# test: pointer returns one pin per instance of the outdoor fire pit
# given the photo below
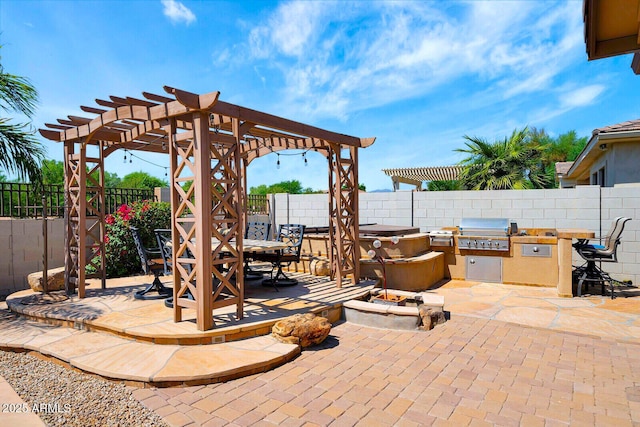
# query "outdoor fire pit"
(422, 310)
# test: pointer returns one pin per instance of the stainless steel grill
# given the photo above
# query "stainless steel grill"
(488, 234)
(441, 238)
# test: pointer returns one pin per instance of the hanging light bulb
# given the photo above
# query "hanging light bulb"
(304, 156)
(278, 162)
(165, 172)
(125, 157)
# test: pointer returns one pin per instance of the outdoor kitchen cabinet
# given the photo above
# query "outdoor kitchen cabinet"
(526, 266)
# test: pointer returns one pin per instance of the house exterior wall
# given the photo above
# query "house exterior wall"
(590, 207)
(623, 166)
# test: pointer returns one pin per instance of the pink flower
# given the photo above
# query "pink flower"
(110, 219)
(124, 212)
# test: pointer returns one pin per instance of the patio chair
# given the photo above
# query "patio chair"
(255, 231)
(163, 236)
(592, 253)
(150, 264)
(292, 234)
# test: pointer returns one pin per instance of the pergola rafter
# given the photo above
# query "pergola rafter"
(210, 143)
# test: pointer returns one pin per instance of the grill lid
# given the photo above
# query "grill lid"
(484, 226)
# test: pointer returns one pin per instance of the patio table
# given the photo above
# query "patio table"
(251, 245)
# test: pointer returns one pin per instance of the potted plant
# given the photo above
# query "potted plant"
(385, 298)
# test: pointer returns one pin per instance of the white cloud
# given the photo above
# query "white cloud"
(177, 12)
(289, 30)
(583, 96)
(338, 58)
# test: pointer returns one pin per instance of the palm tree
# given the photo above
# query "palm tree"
(20, 151)
(512, 163)
(444, 185)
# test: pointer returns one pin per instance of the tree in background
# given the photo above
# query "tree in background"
(53, 173)
(445, 185)
(20, 151)
(512, 163)
(142, 180)
(292, 187)
(565, 148)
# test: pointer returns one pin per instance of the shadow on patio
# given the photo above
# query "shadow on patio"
(115, 309)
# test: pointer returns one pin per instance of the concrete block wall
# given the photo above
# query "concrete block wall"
(23, 244)
(589, 207)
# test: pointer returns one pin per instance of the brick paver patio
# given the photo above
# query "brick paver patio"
(469, 371)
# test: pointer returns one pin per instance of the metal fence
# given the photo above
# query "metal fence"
(257, 204)
(25, 201)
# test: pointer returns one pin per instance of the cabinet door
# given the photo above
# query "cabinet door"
(484, 268)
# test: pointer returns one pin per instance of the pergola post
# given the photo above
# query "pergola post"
(343, 213)
(202, 224)
(96, 227)
(70, 222)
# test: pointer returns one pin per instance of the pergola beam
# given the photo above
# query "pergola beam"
(275, 122)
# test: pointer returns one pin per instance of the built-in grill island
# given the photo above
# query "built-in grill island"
(494, 250)
(484, 234)
(484, 242)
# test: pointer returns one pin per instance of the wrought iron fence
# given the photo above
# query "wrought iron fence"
(257, 204)
(25, 201)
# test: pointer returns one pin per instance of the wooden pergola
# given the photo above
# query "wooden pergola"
(210, 144)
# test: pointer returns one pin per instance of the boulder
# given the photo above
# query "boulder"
(55, 280)
(302, 329)
(320, 267)
(430, 317)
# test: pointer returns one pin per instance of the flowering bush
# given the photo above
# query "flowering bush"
(121, 255)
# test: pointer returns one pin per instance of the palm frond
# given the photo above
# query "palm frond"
(20, 151)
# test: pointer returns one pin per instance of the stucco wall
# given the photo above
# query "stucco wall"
(590, 207)
(22, 244)
(623, 166)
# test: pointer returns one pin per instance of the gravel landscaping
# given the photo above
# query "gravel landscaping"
(63, 397)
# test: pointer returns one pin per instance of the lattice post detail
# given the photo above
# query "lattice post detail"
(70, 219)
(343, 214)
(227, 219)
(96, 227)
(76, 178)
(183, 221)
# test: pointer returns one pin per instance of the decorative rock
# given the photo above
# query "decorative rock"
(55, 280)
(320, 267)
(430, 317)
(302, 329)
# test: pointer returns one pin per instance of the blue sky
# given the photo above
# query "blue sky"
(416, 75)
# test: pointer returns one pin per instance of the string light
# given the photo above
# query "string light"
(303, 154)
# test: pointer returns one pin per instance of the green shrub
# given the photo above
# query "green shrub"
(121, 255)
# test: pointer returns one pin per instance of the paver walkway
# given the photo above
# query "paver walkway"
(537, 306)
(468, 371)
(123, 358)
